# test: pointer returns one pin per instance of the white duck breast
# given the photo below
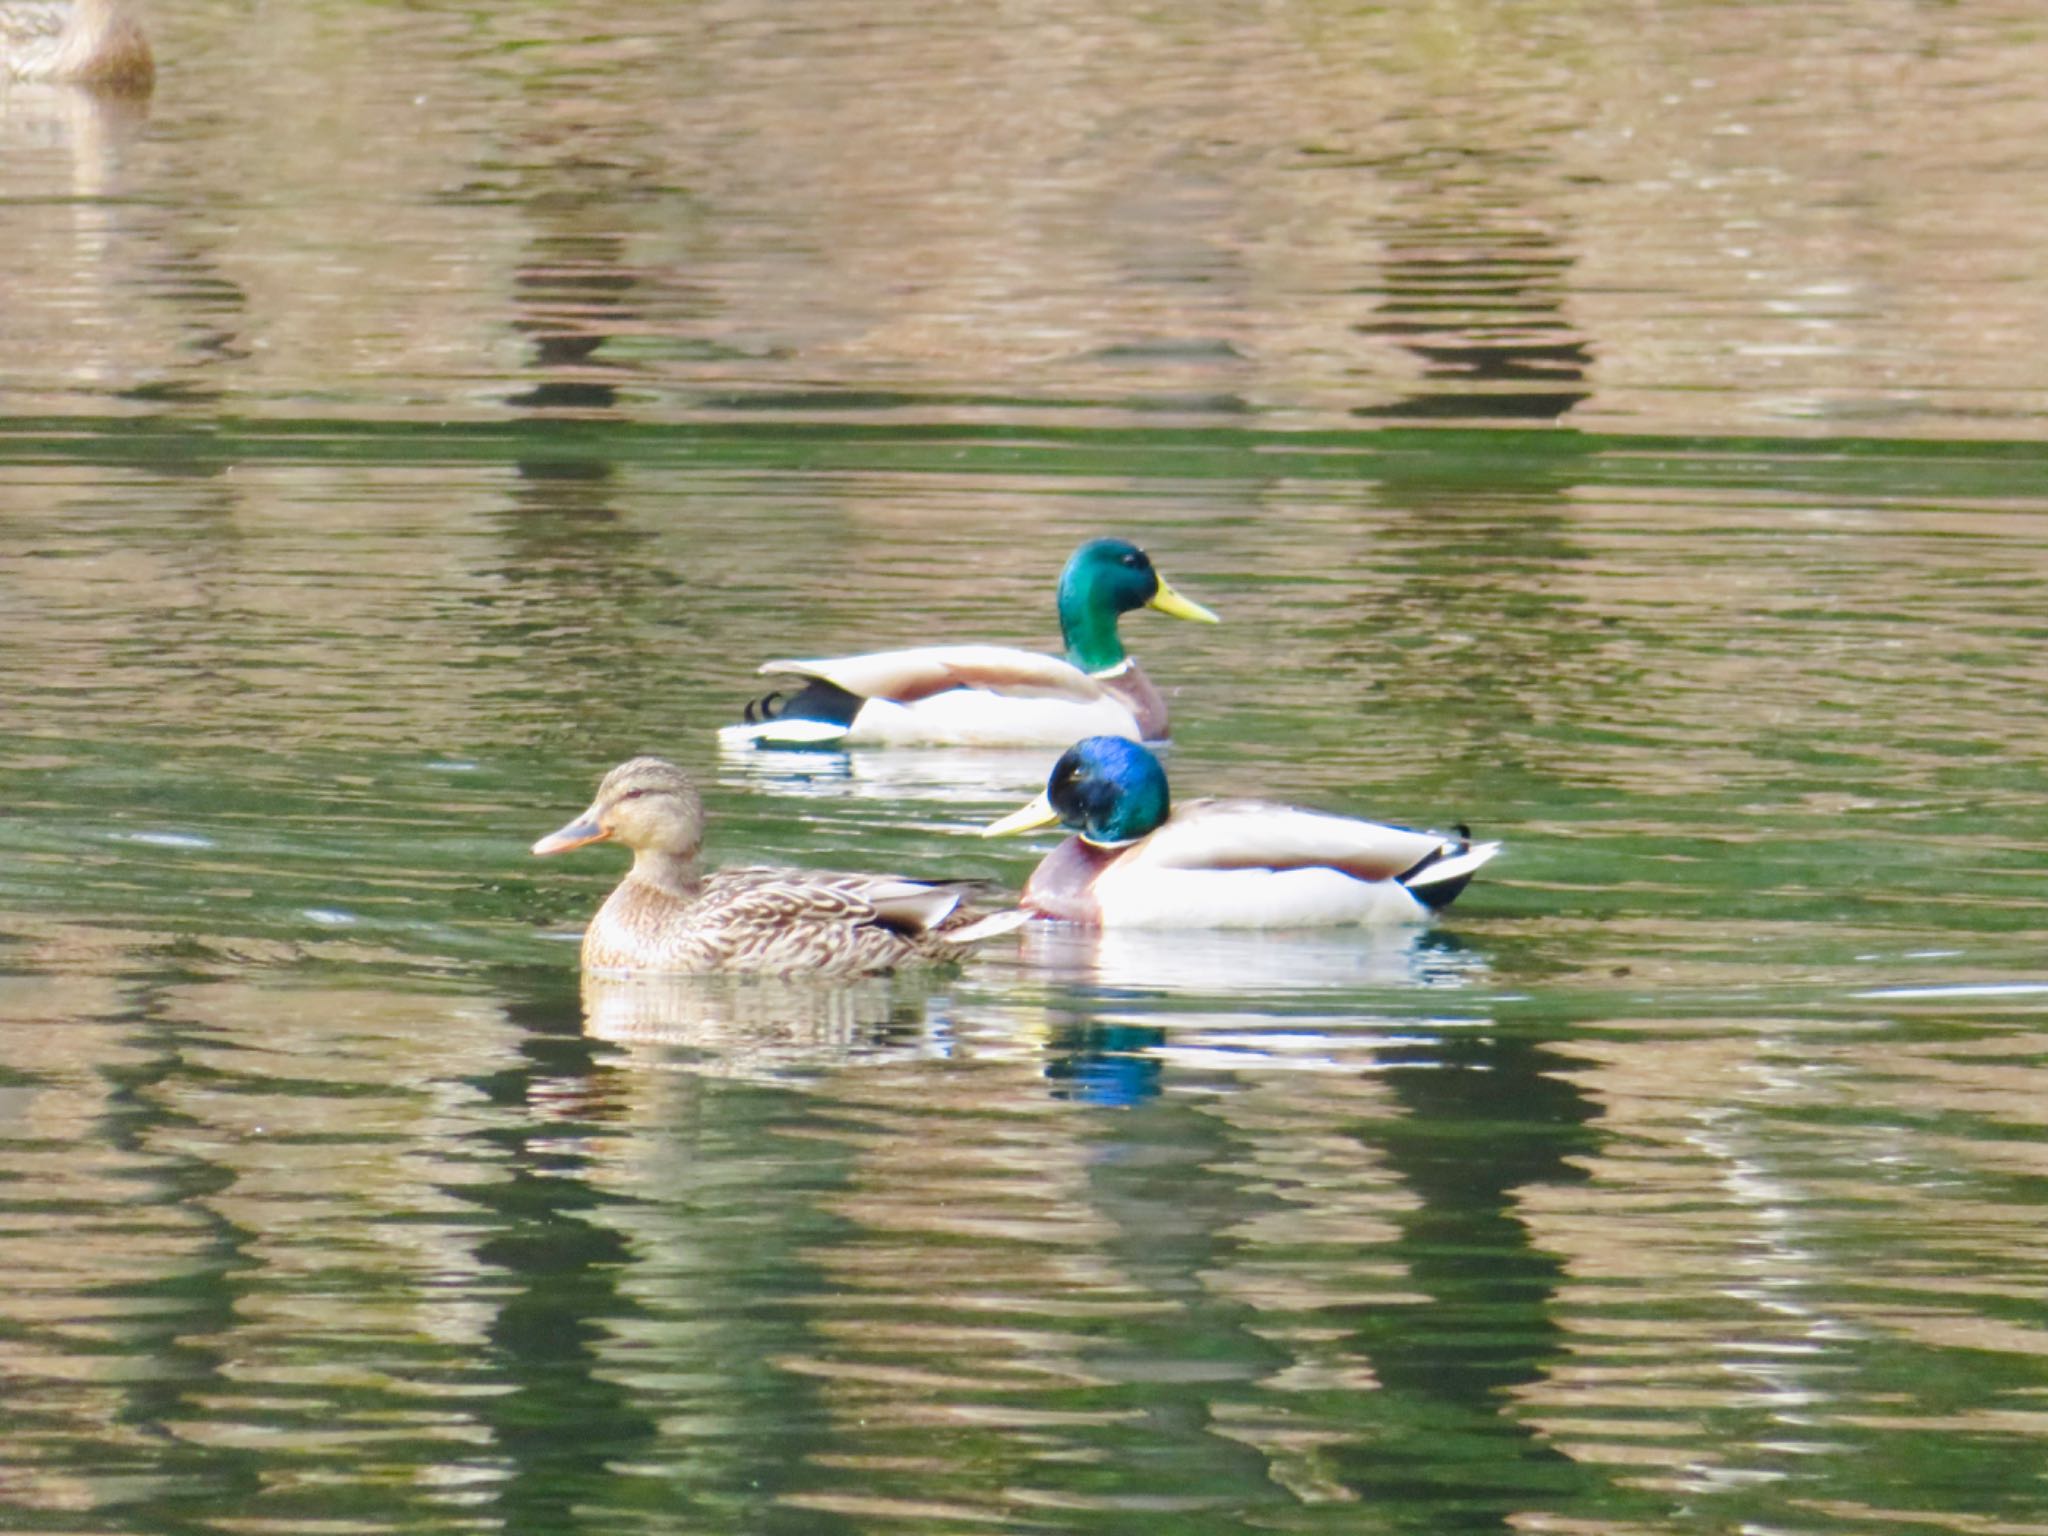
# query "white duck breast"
(1137, 895)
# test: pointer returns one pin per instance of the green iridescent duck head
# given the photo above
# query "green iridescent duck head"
(1109, 790)
(1105, 579)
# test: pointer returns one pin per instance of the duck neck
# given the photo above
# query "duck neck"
(1088, 627)
(672, 873)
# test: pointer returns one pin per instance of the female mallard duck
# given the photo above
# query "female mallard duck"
(988, 695)
(74, 42)
(666, 916)
(1140, 862)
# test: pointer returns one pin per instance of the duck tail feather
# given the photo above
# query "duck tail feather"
(912, 909)
(818, 713)
(1437, 880)
(993, 926)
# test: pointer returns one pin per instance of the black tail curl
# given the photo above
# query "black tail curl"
(1438, 894)
(816, 700)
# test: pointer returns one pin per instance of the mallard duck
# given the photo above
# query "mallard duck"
(667, 916)
(74, 42)
(1138, 861)
(988, 695)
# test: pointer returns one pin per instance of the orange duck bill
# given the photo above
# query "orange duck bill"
(583, 830)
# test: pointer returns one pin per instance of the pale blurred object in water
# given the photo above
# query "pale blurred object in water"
(90, 42)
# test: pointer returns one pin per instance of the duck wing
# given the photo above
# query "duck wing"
(1259, 834)
(906, 676)
(769, 919)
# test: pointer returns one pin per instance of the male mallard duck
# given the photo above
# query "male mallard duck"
(988, 695)
(74, 42)
(1140, 862)
(666, 916)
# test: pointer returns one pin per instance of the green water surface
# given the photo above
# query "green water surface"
(1618, 427)
(1684, 1178)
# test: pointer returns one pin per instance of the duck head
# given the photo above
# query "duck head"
(1103, 580)
(1109, 790)
(648, 804)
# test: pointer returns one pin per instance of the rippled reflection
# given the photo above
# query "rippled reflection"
(419, 410)
(1706, 223)
(1271, 965)
(768, 1027)
(970, 776)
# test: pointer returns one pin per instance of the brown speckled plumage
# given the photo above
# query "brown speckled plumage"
(666, 916)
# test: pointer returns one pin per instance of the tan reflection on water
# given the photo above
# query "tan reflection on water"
(1699, 217)
(68, 1261)
(987, 1274)
(970, 1273)
(1798, 624)
(203, 1219)
(70, 263)
(1721, 1280)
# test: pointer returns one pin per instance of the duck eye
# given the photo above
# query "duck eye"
(632, 794)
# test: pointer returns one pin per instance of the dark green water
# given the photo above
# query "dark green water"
(1686, 1178)
(1620, 428)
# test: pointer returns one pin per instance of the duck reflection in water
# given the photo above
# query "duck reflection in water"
(768, 1028)
(1144, 1003)
(1247, 962)
(965, 776)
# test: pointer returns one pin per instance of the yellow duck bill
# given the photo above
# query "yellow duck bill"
(1028, 818)
(1170, 602)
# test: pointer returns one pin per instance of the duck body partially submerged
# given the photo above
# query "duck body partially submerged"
(986, 695)
(666, 916)
(1136, 860)
(954, 696)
